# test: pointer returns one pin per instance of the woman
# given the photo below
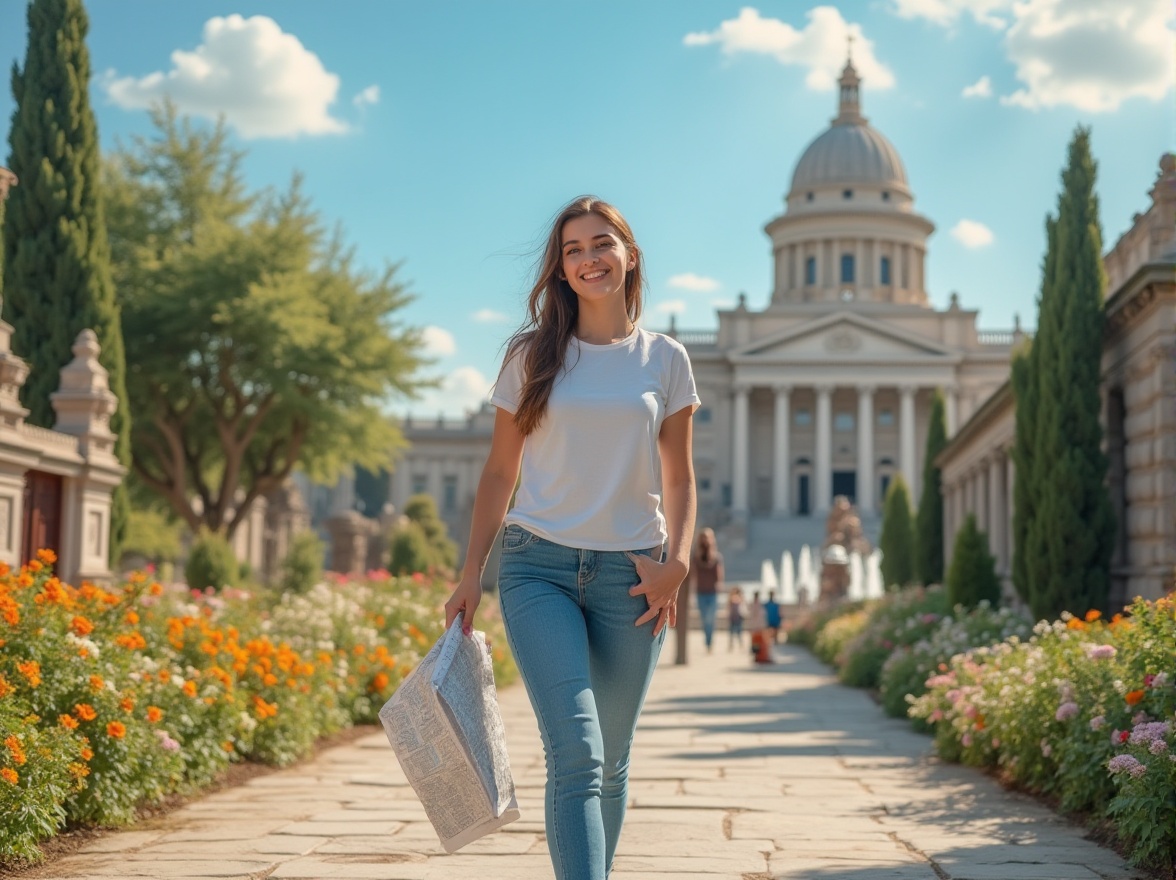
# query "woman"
(706, 572)
(735, 617)
(596, 413)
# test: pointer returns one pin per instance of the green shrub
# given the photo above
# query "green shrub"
(897, 541)
(152, 535)
(972, 578)
(422, 510)
(834, 636)
(900, 618)
(409, 551)
(303, 566)
(211, 563)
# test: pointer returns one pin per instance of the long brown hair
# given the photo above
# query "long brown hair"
(552, 310)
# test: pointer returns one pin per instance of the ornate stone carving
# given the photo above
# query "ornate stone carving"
(843, 536)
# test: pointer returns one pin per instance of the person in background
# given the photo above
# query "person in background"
(594, 428)
(706, 576)
(772, 612)
(735, 617)
(757, 622)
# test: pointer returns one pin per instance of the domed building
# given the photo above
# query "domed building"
(828, 390)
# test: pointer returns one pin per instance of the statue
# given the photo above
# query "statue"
(843, 536)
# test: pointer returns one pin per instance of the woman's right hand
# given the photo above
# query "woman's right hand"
(466, 597)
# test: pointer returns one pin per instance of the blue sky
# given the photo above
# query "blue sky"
(444, 135)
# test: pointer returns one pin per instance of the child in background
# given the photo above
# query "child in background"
(735, 617)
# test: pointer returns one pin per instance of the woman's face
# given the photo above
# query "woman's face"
(594, 259)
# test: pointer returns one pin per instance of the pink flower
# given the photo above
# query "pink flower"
(937, 715)
(966, 740)
(929, 617)
(1046, 748)
(1147, 733)
(1098, 722)
(166, 742)
(1101, 652)
(1126, 764)
(1158, 747)
(1066, 711)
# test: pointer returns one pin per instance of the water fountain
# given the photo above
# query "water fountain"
(857, 578)
(787, 579)
(805, 578)
(874, 587)
(768, 579)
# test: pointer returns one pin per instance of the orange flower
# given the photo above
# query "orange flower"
(155, 589)
(1075, 623)
(85, 711)
(81, 626)
(1133, 697)
(10, 610)
(164, 676)
(228, 746)
(34, 565)
(189, 688)
(9, 775)
(68, 722)
(132, 618)
(46, 556)
(31, 670)
(5, 687)
(379, 682)
(154, 714)
(14, 748)
(116, 730)
(87, 754)
(131, 641)
(127, 704)
(96, 683)
(78, 771)
(269, 680)
(1092, 615)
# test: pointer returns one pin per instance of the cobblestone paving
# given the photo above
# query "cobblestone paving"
(739, 773)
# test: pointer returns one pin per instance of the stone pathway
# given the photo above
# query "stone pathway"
(739, 773)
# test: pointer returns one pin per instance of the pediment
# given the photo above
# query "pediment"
(843, 336)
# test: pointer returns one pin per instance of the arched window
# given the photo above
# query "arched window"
(810, 270)
(847, 268)
(884, 274)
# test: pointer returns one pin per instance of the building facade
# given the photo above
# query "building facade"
(1139, 417)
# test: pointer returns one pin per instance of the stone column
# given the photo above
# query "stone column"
(823, 478)
(948, 520)
(980, 480)
(997, 512)
(865, 452)
(906, 437)
(952, 407)
(739, 441)
(782, 468)
(1010, 482)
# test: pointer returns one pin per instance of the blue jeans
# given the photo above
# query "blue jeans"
(570, 623)
(707, 606)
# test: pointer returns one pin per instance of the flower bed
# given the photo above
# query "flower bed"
(114, 698)
(1084, 710)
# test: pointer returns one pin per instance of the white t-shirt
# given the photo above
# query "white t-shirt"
(591, 472)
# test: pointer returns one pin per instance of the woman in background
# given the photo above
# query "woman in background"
(706, 573)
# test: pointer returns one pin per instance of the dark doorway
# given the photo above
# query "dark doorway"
(42, 514)
(845, 483)
(802, 495)
(885, 485)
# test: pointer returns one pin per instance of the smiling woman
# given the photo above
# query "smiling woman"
(595, 414)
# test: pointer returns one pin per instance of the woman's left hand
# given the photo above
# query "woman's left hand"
(658, 582)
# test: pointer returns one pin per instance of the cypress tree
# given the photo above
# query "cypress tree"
(929, 522)
(897, 541)
(56, 264)
(1071, 533)
(1025, 395)
(972, 577)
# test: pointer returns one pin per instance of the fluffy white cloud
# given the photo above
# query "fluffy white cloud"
(981, 88)
(462, 391)
(262, 80)
(692, 282)
(1091, 54)
(439, 342)
(819, 47)
(489, 316)
(671, 307)
(1088, 54)
(972, 234)
(947, 12)
(368, 96)
(722, 305)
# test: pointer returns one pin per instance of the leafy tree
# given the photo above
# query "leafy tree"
(929, 522)
(422, 510)
(1069, 534)
(303, 566)
(151, 533)
(255, 344)
(972, 576)
(56, 263)
(212, 562)
(897, 541)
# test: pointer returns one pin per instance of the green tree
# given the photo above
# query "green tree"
(1024, 368)
(972, 576)
(56, 263)
(1069, 537)
(929, 522)
(255, 343)
(897, 541)
(422, 510)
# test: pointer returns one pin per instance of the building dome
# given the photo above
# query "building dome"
(849, 151)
